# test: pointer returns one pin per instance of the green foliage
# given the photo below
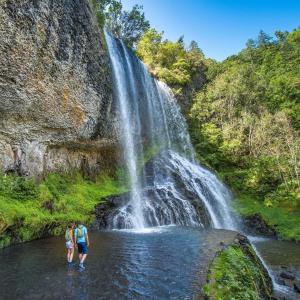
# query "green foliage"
(234, 275)
(129, 26)
(18, 188)
(99, 9)
(30, 210)
(170, 61)
(280, 211)
(245, 122)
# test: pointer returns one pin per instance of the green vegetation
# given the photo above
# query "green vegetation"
(169, 61)
(236, 275)
(284, 220)
(126, 25)
(245, 124)
(30, 210)
(181, 68)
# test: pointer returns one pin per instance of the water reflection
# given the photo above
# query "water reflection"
(168, 264)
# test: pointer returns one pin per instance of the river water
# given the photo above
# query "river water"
(161, 263)
(280, 256)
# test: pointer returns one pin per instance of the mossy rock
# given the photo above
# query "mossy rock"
(236, 273)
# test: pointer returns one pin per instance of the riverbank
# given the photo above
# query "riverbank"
(31, 210)
(276, 213)
(283, 221)
(237, 273)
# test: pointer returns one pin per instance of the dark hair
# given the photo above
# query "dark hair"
(70, 225)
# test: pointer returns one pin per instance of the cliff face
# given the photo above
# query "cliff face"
(56, 109)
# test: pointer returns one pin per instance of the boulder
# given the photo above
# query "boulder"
(287, 275)
(255, 224)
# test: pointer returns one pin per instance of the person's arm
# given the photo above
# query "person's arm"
(75, 237)
(87, 238)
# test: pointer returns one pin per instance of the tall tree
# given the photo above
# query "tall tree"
(126, 25)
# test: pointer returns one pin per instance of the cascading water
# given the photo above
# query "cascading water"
(171, 188)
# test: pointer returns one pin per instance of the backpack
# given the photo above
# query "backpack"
(80, 233)
(68, 235)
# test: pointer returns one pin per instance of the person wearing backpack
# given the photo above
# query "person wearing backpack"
(82, 241)
(69, 236)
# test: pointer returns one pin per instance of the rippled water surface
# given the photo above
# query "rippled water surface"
(165, 263)
(160, 263)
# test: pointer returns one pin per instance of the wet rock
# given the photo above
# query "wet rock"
(254, 224)
(173, 201)
(280, 281)
(297, 286)
(55, 88)
(287, 275)
(104, 211)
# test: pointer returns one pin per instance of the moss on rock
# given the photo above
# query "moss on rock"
(237, 273)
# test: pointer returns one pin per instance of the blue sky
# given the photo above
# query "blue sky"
(221, 27)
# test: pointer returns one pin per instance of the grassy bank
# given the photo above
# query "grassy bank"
(235, 274)
(30, 210)
(284, 220)
(279, 207)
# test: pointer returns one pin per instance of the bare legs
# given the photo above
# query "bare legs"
(70, 254)
(82, 257)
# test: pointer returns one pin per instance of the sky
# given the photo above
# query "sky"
(221, 27)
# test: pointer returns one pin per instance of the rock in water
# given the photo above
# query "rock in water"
(287, 275)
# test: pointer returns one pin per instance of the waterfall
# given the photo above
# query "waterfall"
(171, 188)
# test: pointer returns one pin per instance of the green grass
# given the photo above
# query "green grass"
(277, 205)
(284, 219)
(29, 210)
(235, 276)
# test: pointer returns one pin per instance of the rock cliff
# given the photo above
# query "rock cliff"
(56, 110)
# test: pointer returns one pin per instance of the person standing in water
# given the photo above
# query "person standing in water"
(82, 241)
(69, 235)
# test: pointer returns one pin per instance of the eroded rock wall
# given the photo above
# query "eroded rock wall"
(56, 109)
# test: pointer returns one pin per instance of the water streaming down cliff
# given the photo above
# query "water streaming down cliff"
(171, 188)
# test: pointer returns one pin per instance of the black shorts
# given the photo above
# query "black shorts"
(82, 248)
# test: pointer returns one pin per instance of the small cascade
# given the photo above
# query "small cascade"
(171, 188)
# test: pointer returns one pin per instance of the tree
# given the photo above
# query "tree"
(263, 39)
(251, 44)
(194, 48)
(128, 26)
(245, 122)
(134, 25)
(281, 36)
